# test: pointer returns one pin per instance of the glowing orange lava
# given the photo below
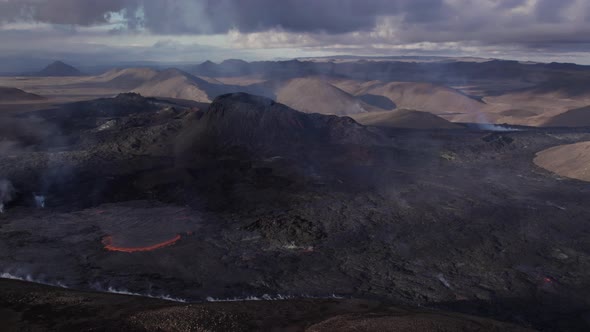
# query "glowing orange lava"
(107, 241)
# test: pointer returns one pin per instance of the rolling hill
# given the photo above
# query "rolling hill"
(314, 95)
(427, 97)
(127, 78)
(174, 83)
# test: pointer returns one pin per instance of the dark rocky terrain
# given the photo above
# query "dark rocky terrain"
(261, 199)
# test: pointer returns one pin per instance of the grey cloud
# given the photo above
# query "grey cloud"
(74, 12)
(219, 16)
(328, 23)
(551, 10)
(313, 16)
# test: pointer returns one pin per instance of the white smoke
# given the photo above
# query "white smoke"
(161, 297)
(484, 123)
(494, 127)
(6, 193)
(267, 297)
(443, 280)
(30, 278)
(122, 291)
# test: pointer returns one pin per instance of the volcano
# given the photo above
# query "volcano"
(59, 68)
(261, 124)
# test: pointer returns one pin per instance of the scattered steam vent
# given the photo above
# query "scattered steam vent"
(494, 127)
(142, 191)
(39, 200)
(19, 275)
(6, 193)
(122, 291)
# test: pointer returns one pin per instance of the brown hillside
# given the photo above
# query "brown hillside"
(571, 160)
(314, 95)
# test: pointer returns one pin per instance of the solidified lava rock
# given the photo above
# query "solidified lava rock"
(84, 114)
(288, 230)
(498, 140)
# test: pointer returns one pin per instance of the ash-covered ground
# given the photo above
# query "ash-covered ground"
(247, 198)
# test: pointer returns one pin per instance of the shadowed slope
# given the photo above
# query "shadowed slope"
(404, 119)
(578, 117)
(13, 94)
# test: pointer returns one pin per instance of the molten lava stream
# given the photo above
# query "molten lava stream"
(107, 241)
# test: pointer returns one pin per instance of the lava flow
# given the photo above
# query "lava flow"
(107, 241)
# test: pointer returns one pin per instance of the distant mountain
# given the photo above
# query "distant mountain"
(387, 69)
(59, 68)
(235, 65)
(404, 118)
(13, 94)
(207, 68)
(568, 87)
(230, 67)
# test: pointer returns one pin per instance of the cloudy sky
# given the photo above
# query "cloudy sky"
(111, 31)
